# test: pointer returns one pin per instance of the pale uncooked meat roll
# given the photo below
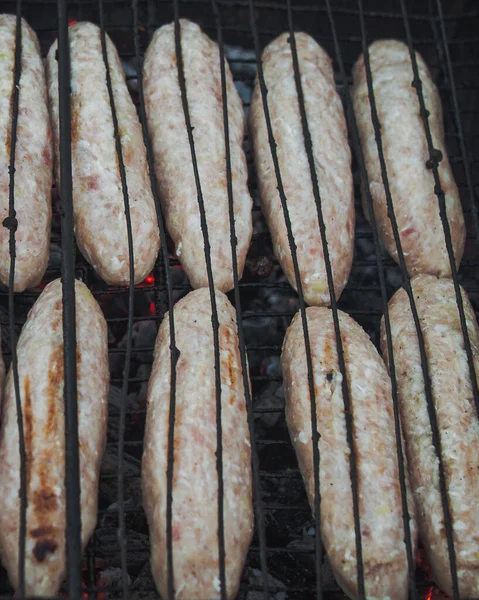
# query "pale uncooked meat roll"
(332, 158)
(172, 153)
(98, 201)
(195, 477)
(41, 378)
(406, 153)
(33, 158)
(380, 510)
(456, 418)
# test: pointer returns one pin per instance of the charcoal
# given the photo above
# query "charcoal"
(255, 582)
(107, 547)
(143, 587)
(112, 578)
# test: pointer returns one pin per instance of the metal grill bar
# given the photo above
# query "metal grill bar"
(302, 8)
(174, 352)
(302, 304)
(278, 285)
(278, 6)
(320, 37)
(11, 224)
(348, 409)
(248, 288)
(434, 160)
(266, 31)
(406, 283)
(354, 39)
(214, 312)
(299, 8)
(458, 117)
(131, 300)
(384, 299)
(72, 460)
(241, 342)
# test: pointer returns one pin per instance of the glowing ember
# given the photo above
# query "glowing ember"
(435, 593)
(422, 562)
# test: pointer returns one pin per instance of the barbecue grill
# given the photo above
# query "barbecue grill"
(285, 560)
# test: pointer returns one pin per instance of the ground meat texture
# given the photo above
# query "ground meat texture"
(98, 201)
(457, 421)
(172, 153)
(195, 478)
(41, 377)
(406, 153)
(382, 532)
(332, 159)
(33, 158)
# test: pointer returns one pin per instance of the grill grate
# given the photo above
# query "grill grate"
(72, 463)
(11, 224)
(285, 559)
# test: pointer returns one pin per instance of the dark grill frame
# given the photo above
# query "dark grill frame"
(164, 287)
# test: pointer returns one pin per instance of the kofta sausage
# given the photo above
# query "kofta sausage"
(456, 418)
(382, 531)
(332, 158)
(41, 378)
(172, 154)
(195, 478)
(33, 158)
(98, 202)
(406, 154)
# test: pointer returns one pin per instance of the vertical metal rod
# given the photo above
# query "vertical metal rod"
(436, 439)
(439, 192)
(72, 460)
(11, 224)
(384, 298)
(174, 352)
(302, 303)
(131, 301)
(90, 555)
(214, 312)
(458, 118)
(348, 408)
(239, 317)
(434, 161)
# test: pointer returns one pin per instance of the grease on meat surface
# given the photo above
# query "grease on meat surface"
(41, 377)
(195, 478)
